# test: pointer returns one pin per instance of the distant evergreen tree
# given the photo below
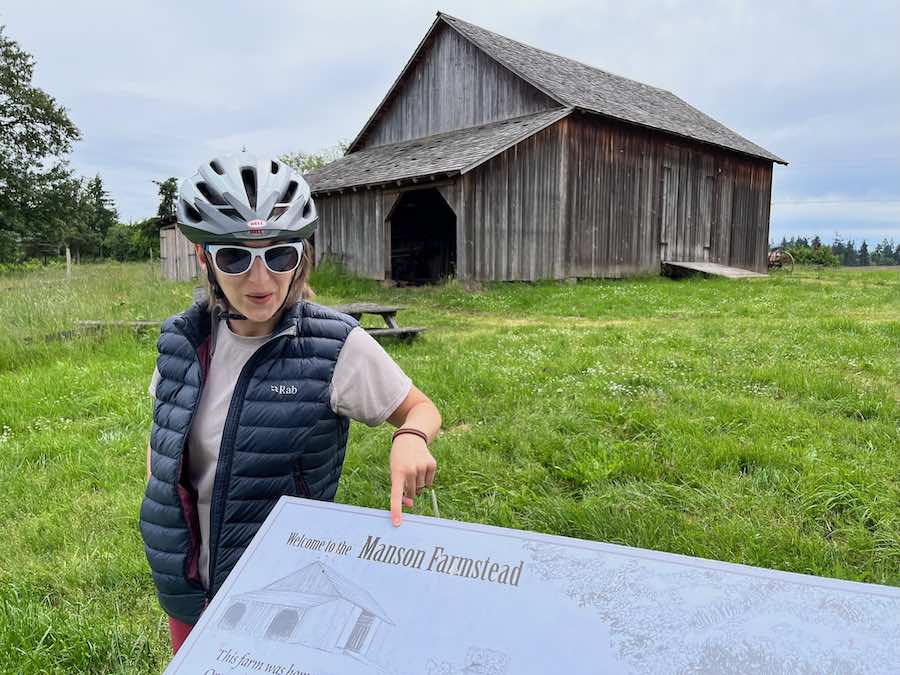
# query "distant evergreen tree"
(850, 256)
(838, 248)
(168, 189)
(101, 211)
(863, 258)
(883, 253)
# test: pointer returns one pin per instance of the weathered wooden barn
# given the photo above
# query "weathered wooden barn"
(489, 159)
(177, 256)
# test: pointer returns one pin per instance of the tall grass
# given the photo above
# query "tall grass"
(753, 421)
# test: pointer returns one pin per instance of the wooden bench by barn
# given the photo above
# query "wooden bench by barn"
(386, 312)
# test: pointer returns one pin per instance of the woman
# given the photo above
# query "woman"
(254, 390)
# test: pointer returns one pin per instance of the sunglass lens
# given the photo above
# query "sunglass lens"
(282, 258)
(232, 260)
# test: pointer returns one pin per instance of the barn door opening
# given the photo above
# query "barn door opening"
(360, 632)
(423, 238)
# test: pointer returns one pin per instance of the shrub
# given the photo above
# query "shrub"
(818, 256)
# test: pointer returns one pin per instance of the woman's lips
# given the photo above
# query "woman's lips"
(260, 299)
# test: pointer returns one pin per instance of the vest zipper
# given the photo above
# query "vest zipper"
(203, 369)
(226, 452)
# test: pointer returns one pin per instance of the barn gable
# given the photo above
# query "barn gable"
(449, 83)
(408, 111)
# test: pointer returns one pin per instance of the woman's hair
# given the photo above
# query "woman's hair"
(299, 289)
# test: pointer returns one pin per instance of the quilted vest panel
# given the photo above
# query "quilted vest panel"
(280, 438)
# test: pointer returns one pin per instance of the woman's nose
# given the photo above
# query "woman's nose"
(258, 271)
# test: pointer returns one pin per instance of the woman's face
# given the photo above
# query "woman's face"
(258, 293)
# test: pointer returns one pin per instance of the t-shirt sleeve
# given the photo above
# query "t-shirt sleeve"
(153, 382)
(367, 384)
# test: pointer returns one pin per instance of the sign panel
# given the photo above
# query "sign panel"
(329, 589)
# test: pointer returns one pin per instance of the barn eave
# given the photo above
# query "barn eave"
(425, 179)
(743, 153)
(436, 157)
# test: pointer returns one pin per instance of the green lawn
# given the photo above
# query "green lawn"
(753, 421)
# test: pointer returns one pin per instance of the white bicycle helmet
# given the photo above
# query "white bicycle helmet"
(239, 197)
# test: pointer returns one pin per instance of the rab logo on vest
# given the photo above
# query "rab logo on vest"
(284, 389)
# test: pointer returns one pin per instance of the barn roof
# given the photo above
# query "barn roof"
(295, 588)
(577, 85)
(451, 152)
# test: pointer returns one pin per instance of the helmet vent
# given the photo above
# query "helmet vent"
(249, 178)
(192, 213)
(290, 192)
(211, 197)
(307, 209)
(274, 167)
(215, 166)
(231, 213)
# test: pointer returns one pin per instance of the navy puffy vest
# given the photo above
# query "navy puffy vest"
(280, 438)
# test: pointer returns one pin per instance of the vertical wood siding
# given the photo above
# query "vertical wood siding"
(351, 231)
(617, 194)
(177, 256)
(636, 196)
(453, 86)
(512, 212)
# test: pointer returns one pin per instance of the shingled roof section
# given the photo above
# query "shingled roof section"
(441, 154)
(578, 85)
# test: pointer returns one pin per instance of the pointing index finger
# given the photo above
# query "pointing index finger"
(396, 498)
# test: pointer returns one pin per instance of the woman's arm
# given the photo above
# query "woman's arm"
(412, 465)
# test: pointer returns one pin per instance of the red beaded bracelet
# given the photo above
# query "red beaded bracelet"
(408, 430)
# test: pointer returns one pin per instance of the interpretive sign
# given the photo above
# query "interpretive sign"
(328, 589)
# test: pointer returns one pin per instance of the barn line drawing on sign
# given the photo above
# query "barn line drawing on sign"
(317, 607)
(313, 606)
(490, 159)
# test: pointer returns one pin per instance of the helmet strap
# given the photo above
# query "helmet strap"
(219, 301)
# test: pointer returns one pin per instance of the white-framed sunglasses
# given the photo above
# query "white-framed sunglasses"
(232, 260)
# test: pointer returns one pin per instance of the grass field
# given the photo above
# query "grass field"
(752, 421)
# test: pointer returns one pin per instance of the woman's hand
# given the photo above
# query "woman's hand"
(412, 466)
(412, 470)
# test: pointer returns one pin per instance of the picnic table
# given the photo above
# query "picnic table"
(386, 312)
(356, 310)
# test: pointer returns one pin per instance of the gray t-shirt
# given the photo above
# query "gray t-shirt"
(367, 386)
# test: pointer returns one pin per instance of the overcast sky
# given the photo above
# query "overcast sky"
(158, 87)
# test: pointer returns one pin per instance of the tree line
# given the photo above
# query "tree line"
(45, 207)
(840, 252)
